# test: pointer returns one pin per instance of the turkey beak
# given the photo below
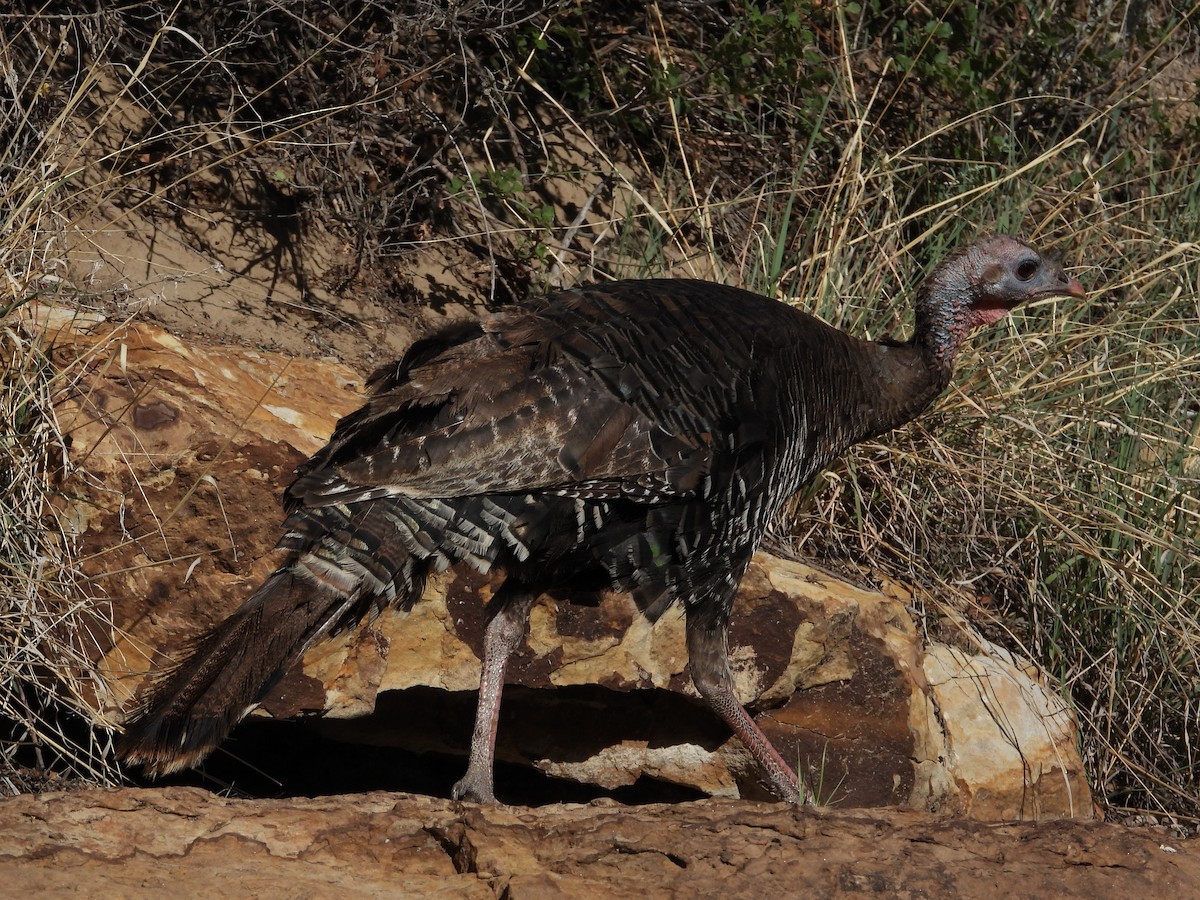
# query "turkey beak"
(1074, 289)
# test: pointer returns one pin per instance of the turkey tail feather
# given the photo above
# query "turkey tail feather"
(191, 707)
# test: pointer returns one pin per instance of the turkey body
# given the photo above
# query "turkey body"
(637, 435)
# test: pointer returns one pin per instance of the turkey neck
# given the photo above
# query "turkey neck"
(900, 381)
(842, 390)
(908, 377)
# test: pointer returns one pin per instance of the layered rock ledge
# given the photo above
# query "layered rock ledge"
(188, 842)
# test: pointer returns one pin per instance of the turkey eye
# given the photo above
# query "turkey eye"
(1027, 270)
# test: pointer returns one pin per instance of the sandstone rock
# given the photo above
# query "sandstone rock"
(1005, 734)
(189, 842)
(183, 450)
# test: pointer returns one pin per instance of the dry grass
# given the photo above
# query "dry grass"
(47, 686)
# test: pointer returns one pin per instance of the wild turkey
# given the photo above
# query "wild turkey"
(638, 435)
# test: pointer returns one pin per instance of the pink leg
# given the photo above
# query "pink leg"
(504, 634)
(708, 658)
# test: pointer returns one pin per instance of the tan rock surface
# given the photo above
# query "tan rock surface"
(189, 843)
(1003, 730)
(183, 450)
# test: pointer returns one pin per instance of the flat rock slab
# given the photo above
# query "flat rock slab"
(188, 842)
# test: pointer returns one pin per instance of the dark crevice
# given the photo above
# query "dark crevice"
(416, 742)
(457, 845)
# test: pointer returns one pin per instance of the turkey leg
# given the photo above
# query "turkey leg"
(708, 658)
(504, 634)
